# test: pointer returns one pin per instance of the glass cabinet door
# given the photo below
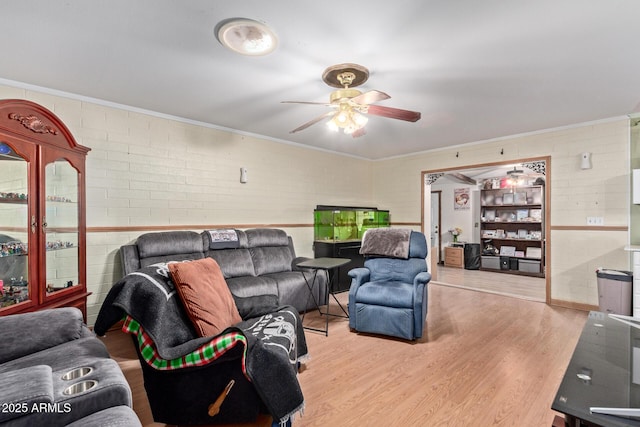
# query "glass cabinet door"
(15, 226)
(60, 226)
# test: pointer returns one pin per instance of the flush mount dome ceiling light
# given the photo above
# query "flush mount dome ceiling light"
(246, 36)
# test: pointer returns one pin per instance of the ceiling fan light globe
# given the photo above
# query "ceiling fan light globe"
(359, 120)
(332, 125)
(342, 118)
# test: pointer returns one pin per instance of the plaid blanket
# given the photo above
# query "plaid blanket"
(203, 355)
(274, 342)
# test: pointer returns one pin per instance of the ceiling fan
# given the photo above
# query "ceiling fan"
(348, 105)
(515, 173)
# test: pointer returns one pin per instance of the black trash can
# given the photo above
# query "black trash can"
(614, 291)
(472, 256)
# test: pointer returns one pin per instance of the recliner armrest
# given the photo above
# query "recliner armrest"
(422, 278)
(44, 329)
(360, 275)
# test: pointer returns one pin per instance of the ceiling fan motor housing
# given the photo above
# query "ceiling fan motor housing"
(343, 95)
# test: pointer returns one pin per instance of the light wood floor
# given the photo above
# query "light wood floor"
(513, 285)
(486, 360)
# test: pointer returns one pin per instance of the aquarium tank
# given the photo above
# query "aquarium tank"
(344, 223)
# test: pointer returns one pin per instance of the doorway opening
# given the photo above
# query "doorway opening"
(464, 219)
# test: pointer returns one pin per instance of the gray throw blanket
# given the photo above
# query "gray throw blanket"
(386, 242)
(275, 341)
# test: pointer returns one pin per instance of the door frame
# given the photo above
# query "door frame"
(439, 239)
(426, 202)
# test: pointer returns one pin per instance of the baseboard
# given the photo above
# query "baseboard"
(573, 305)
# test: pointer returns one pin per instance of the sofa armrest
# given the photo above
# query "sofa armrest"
(23, 388)
(46, 329)
(130, 259)
(298, 260)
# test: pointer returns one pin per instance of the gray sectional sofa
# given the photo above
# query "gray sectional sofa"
(55, 372)
(259, 261)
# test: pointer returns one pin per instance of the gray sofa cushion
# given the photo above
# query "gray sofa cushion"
(271, 259)
(63, 324)
(146, 262)
(169, 243)
(291, 293)
(62, 356)
(249, 286)
(168, 246)
(256, 306)
(117, 416)
(22, 388)
(258, 237)
(233, 262)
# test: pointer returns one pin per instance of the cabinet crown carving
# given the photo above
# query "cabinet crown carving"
(33, 123)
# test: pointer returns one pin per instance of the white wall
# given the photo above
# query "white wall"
(144, 170)
(576, 251)
(149, 171)
(451, 218)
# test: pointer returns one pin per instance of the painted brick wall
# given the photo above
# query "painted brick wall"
(575, 194)
(144, 170)
(148, 170)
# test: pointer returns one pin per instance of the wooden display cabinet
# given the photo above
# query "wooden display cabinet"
(42, 211)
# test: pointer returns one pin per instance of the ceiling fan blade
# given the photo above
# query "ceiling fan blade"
(394, 113)
(313, 122)
(305, 102)
(370, 97)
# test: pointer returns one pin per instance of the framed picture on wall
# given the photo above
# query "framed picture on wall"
(461, 199)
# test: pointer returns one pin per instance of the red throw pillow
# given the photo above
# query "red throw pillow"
(205, 295)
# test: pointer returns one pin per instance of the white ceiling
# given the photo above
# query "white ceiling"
(475, 69)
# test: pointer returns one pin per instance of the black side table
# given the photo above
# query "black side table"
(326, 265)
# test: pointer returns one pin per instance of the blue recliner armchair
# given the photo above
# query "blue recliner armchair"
(388, 295)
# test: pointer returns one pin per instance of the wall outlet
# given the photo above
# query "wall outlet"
(595, 220)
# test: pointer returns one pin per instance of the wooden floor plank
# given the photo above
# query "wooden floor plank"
(486, 360)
